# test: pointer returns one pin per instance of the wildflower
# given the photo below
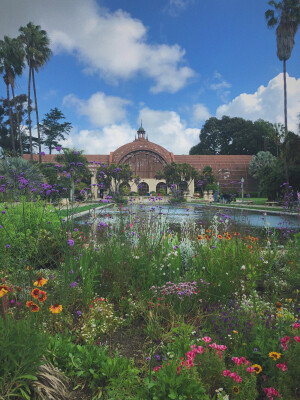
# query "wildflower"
(56, 309)
(220, 237)
(296, 325)
(297, 339)
(78, 313)
(32, 306)
(40, 282)
(257, 368)
(71, 242)
(236, 332)
(270, 392)
(42, 296)
(235, 390)
(3, 292)
(73, 284)
(284, 342)
(278, 306)
(35, 293)
(207, 339)
(275, 355)
(58, 148)
(7, 246)
(283, 366)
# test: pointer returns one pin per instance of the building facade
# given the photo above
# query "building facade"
(145, 158)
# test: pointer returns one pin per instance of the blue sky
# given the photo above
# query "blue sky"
(171, 63)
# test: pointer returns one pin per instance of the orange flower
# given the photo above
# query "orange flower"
(220, 237)
(199, 237)
(274, 355)
(32, 306)
(228, 236)
(35, 293)
(3, 292)
(279, 306)
(56, 309)
(235, 390)
(42, 296)
(40, 282)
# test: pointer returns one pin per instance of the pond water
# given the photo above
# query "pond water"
(199, 214)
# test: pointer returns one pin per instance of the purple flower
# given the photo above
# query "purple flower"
(71, 242)
(75, 152)
(7, 246)
(42, 153)
(58, 148)
(71, 272)
(73, 284)
(3, 211)
(78, 313)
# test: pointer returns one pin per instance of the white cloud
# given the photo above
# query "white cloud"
(100, 141)
(176, 6)
(220, 85)
(200, 113)
(162, 127)
(267, 103)
(99, 108)
(111, 44)
(168, 130)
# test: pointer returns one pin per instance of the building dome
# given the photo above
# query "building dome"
(144, 158)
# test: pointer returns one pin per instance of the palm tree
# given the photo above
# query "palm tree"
(37, 53)
(11, 64)
(286, 16)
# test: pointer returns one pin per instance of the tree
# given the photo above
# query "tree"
(286, 16)
(75, 169)
(112, 177)
(11, 64)
(177, 177)
(53, 129)
(19, 116)
(262, 160)
(229, 136)
(37, 53)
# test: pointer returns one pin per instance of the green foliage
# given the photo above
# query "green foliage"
(170, 383)
(53, 129)
(90, 364)
(22, 345)
(235, 136)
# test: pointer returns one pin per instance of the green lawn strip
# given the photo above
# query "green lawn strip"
(79, 209)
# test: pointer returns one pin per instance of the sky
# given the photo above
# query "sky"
(171, 64)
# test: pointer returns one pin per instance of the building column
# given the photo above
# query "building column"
(94, 187)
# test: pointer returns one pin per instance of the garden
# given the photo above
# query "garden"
(133, 307)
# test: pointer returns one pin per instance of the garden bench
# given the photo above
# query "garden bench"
(272, 203)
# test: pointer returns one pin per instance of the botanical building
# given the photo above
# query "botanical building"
(146, 158)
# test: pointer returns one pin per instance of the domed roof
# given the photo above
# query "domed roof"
(139, 145)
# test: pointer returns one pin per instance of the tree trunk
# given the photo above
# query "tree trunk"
(37, 117)
(285, 97)
(12, 136)
(18, 120)
(29, 115)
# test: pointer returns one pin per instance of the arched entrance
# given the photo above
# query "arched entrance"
(161, 188)
(143, 188)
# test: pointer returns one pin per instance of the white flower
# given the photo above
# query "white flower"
(243, 267)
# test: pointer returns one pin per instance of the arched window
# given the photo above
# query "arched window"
(161, 188)
(143, 188)
(124, 188)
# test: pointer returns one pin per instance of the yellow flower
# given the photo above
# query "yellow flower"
(56, 309)
(275, 355)
(257, 368)
(40, 282)
(3, 292)
(236, 332)
(235, 390)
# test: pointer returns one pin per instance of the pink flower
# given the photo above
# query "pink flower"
(226, 372)
(251, 370)
(296, 325)
(270, 392)
(297, 338)
(207, 339)
(284, 342)
(283, 366)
